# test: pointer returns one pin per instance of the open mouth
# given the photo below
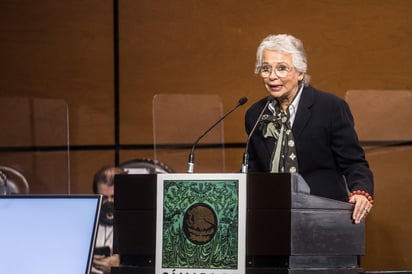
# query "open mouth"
(275, 87)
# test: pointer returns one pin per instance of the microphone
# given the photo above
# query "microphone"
(245, 163)
(191, 162)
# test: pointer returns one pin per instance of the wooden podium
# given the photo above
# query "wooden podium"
(287, 229)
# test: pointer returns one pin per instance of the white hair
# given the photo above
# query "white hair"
(286, 44)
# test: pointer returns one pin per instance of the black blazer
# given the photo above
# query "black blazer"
(327, 145)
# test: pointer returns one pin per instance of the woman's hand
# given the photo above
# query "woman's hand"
(362, 207)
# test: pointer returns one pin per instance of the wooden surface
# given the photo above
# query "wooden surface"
(64, 50)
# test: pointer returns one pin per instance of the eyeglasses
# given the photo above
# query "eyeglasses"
(281, 70)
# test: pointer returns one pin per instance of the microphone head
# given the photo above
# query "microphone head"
(242, 100)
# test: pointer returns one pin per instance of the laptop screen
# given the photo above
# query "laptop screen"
(47, 233)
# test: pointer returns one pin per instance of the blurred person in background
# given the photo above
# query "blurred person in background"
(103, 184)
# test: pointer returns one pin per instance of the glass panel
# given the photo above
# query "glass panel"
(382, 115)
(178, 120)
(383, 122)
(34, 144)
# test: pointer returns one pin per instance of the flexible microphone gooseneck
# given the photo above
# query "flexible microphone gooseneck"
(245, 163)
(191, 162)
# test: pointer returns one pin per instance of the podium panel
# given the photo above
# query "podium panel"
(288, 230)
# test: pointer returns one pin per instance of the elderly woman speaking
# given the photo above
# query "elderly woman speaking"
(305, 130)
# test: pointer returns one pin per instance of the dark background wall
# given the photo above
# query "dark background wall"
(106, 60)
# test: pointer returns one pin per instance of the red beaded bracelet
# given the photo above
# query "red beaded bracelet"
(361, 192)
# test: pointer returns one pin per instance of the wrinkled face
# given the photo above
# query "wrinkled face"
(282, 88)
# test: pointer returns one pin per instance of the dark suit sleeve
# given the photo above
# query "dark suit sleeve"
(348, 152)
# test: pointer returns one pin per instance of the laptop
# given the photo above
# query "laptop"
(48, 234)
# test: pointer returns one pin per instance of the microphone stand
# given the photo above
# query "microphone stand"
(191, 161)
(245, 163)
